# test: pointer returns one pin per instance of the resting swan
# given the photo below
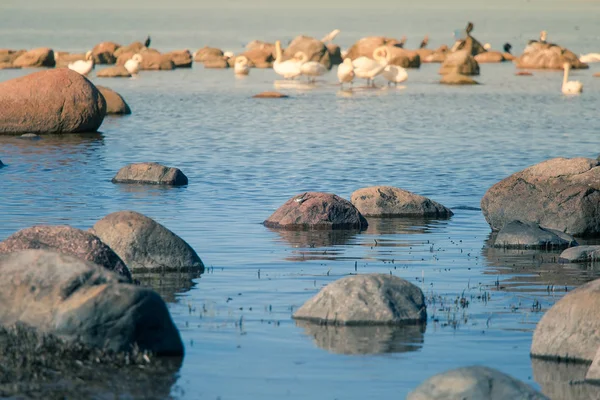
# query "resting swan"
(367, 68)
(570, 87)
(241, 66)
(345, 72)
(289, 69)
(83, 67)
(133, 64)
(311, 69)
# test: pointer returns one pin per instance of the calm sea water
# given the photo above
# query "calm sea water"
(245, 157)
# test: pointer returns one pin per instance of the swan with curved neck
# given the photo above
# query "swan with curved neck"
(570, 87)
(133, 64)
(345, 72)
(83, 67)
(311, 69)
(367, 68)
(241, 66)
(289, 69)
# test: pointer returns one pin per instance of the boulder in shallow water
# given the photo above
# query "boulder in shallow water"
(317, 210)
(8, 56)
(36, 58)
(115, 104)
(270, 95)
(454, 78)
(489, 57)
(314, 49)
(66, 240)
(548, 56)
(104, 53)
(581, 254)
(118, 71)
(180, 58)
(78, 300)
(529, 235)
(151, 173)
(461, 62)
(474, 382)
(388, 201)
(561, 194)
(366, 299)
(207, 53)
(53, 101)
(260, 57)
(568, 331)
(152, 60)
(145, 245)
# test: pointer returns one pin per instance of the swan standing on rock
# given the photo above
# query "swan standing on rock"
(570, 87)
(241, 66)
(311, 69)
(345, 72)
(133, 65)
(83, 67)
(289, 69)
(367, 68)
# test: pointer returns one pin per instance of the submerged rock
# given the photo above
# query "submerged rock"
(145, 245)
(77, 300)
(474, 382)
(581, 254)
(36, 58)
(369, 299)
(461, 62)
(388, 201)
(529, 235)
(53, 101)
(568, 331)
(150, 173)
(316, 210)
(118, 71)
(454, 78)
(270, 95)
(561, 194)
(115, 104)
(66, 240)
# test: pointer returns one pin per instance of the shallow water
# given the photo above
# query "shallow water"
(245, 157)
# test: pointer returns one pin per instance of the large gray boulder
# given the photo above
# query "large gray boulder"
(369, 299)
(388, 201)
(569, 330)
(316, 210)
(474, 383)
(53, 101)
(561, 194)
(77, 300)
(150, 173)
(581, 254)
(529, 235)
(66, 240)
(145, 245)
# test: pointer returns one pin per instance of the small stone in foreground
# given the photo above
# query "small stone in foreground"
(369, 299)
(270, 95)
(150, 173)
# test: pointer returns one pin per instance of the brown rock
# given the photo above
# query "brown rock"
(560, 193)
(259, 44)
(104, 53)
(216, 63)
(316, 210)
(9, 56)
(66, 240)
(597, 75)
(180, 58)
(314, 49)
(388, 201)
(118, 71)
(54, 101)
(490, 57)
(523, 73)
(115, 104)
(42, 57)
(150, 173)
(366, 46)
(509, 57)
(134, 47)
(454, 78)
(4, 65)
(548, 56)
(207, 53)
(438, 56)
(460, 62)
(152, 60)
(403, 58)
(470, 45)
(145, 245)
(270, 95)
(260, 57)
(63, 58)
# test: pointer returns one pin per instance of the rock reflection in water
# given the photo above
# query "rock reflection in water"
(168, 284)
(563, 380)
(407, 226)
(311, 243)
(365, 339)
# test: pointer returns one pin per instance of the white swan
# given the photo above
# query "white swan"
(133, 65)
(487, 46)
(570, 87)
(330, 36)
(345, 72)
(83, 67)
(311, 69)
(589, 58)
(289, 69)
(367, 68)
(394, 74)
(228, 54)
(241, 66)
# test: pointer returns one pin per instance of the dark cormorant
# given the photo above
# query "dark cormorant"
(469, 28)
(507, 47)
(147, 43)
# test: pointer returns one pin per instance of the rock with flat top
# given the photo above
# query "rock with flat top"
(150, 173)
(388, 201)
